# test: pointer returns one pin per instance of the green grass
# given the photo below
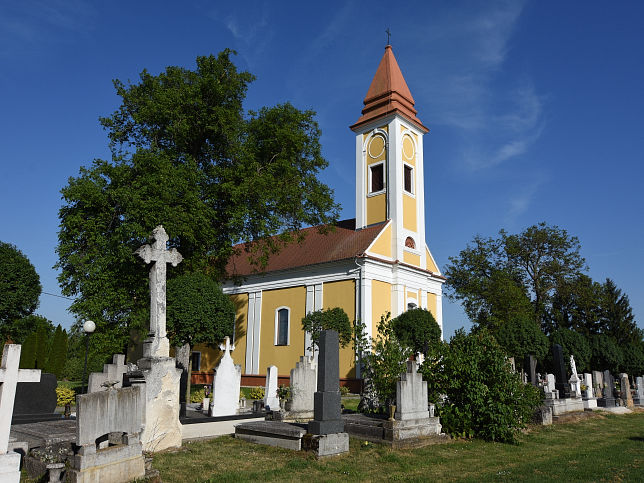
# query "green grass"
(606, 447)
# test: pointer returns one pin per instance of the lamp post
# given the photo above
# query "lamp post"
(88, 328)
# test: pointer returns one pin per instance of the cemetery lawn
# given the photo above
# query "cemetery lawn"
(604, 447)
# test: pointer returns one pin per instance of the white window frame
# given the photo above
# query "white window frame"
(412, 301)
(277, 327)
(384, 179)
(411, 193)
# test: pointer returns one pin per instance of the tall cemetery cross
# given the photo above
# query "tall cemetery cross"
(10, 376)
(157, 344)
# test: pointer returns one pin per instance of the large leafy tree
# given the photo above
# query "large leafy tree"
(417, 329)
(498, 279)
(19, 286)
(198, 313)
(186, 155)
(329, 319)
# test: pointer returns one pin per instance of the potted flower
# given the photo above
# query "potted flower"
(283, 394)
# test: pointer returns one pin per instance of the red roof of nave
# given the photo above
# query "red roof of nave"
(388, 93)
(342, 243)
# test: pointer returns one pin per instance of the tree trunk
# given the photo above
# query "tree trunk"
(182, 355)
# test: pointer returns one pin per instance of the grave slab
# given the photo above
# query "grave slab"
(272, 433)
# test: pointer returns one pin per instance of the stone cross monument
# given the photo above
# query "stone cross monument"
(157, 371)
(157, 345)
(10, 376)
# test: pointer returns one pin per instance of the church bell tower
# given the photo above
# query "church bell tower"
(389, 163)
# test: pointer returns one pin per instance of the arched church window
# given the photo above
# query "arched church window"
(282, 316)
(411, 305)
(410, 243)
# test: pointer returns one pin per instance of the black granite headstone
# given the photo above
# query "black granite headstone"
(35, 401)
(327, 399)
(608, 401)
(530, 368)
(561, 376)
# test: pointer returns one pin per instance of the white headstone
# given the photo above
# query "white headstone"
(157, 345)
(10, 376)
(111, 372)
(588, 382)
(270, 391)
(225, 385)
(411, 395)
(575, 383)
(551, 392)
(303, 385)
(639, 390)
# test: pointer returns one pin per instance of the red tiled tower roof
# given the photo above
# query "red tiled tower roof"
(344, 242)
(388, 93)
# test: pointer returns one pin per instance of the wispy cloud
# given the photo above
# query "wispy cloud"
(521, 200)
(31, 23)
(251, 30)
(498, 119)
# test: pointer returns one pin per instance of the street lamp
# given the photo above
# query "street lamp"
(88, 328)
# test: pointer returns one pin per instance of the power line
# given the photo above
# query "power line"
(59, 296)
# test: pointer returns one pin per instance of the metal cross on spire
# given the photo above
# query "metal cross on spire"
(388, 32)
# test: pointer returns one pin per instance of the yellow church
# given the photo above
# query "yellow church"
(378, 262)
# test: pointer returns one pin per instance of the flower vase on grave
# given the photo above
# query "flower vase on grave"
(392, 411)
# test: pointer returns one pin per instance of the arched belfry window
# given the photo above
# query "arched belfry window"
(410, 243)
(282, 322)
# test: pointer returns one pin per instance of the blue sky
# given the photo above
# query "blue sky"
(536, 109)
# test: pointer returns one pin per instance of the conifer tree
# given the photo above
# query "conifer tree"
(42, 348)
(28, 352)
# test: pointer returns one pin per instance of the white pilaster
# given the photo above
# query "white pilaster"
(361, 183)
(253, 332)
(439, 312)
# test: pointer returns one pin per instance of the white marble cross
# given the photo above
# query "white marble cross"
(226, 346)
(157, 344)
(10, 376)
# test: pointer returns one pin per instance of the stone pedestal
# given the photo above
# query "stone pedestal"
(10, 467)
(326, 444)
(159, 379)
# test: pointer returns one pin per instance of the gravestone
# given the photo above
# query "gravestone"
(226, 383)
(598, 383)
(270, 390)
(303, 386)
(156, 372)
(111, 372)
(590, 401)
(625, 386)
(638, 399)
(608, 398)
(551, 391)
(411, 395)
(327, 426)
(35, 401)
(560, 372)
(10, 377)
(575, 383)
(108, 426)
(530, 368)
